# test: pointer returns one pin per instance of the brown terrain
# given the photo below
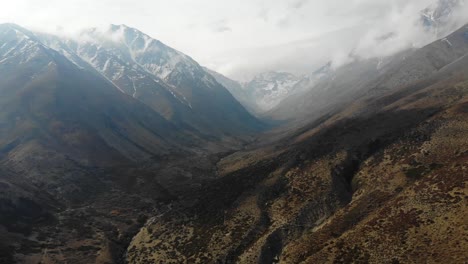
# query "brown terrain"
(381, 180)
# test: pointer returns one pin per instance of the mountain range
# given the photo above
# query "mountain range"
(116, 148)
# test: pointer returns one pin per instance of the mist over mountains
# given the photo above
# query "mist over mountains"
(267, 89)
(392, 26)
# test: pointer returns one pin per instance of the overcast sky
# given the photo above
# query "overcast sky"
(239, 37)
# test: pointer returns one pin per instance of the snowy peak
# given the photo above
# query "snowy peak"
(131, 46)
(134, 40)
(113, 53)
(151, 54)
(19, 46)
(16, 32)
(441, 10)
(439, 15)
(267, 90)
(270, 88)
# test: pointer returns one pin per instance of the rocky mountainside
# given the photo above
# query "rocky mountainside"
(380, 178)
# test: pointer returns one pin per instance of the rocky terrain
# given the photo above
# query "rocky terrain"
(379, 180)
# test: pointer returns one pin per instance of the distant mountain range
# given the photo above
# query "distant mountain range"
(354, 80)
(263, 92)
(267, 90)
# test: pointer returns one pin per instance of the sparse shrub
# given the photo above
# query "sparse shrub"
(142, 219)
(415, 173)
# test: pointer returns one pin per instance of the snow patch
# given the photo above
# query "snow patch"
(447, 41)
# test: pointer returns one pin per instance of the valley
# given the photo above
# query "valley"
(116, 148)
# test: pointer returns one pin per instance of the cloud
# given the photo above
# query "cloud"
(298, 3)
(221, 26)
(263, 14)
(244, 37)
(284, 22)
(381, 29)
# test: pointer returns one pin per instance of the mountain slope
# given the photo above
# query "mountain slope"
(381, 179)
(69, 139)
(42, 87)
(236, 89)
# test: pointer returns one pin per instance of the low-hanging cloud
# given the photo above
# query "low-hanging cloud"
(385, 29)
(245, 37)
(221, 26)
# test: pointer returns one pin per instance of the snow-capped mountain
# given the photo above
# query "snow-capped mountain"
(133, 47)
(19, 46)
(127, 57)
(440, 18)
(268, 89)
(56, 104)
(170, 82)
(263, 92)
(114, 61)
